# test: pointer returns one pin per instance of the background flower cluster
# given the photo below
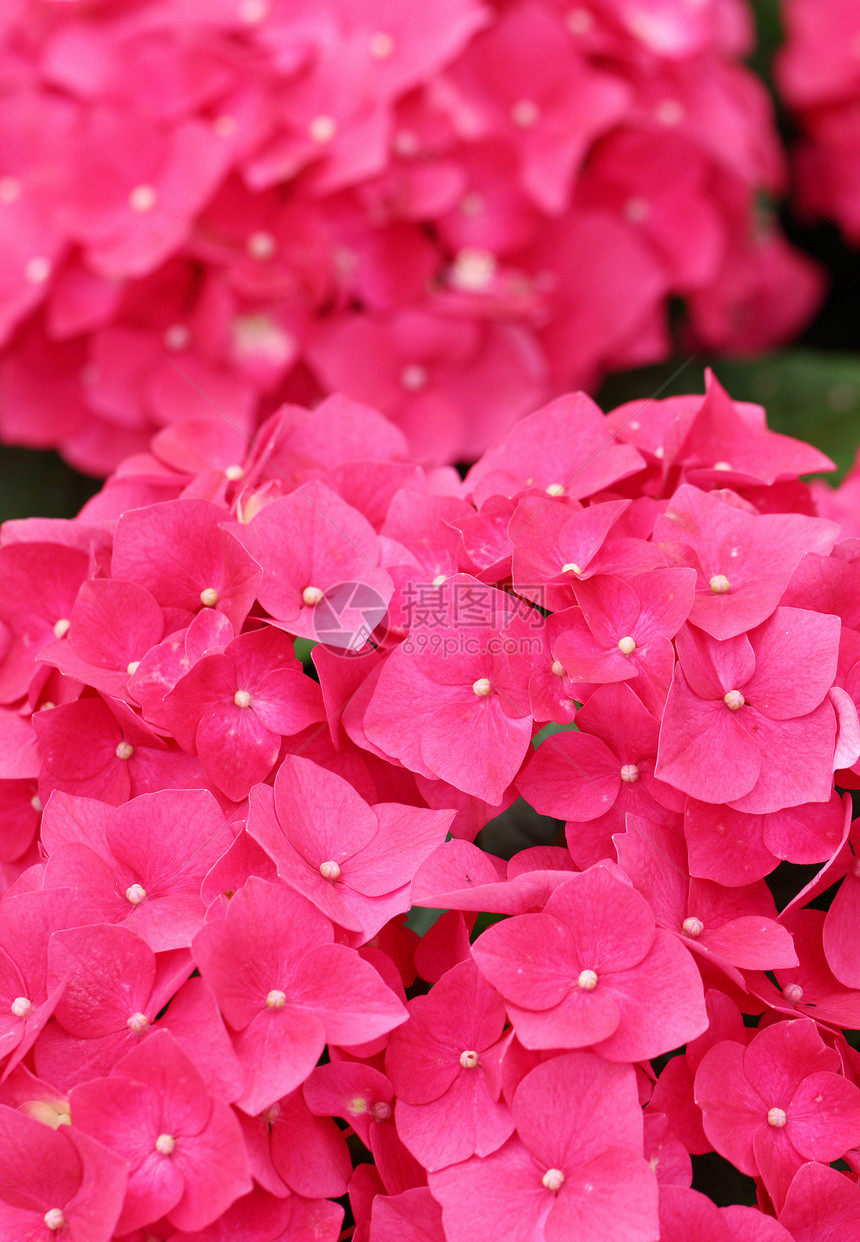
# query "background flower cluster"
(819, 76)
(452, 212)
(216, 1021)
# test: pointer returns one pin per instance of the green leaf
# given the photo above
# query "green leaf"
(37, 484)
(551, 728)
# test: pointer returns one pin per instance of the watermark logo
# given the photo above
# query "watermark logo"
(347, 615)
(445, 618)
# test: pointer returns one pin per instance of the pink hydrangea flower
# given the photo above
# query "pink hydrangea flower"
(594, 971)
(778, 1103)
(573, 1168)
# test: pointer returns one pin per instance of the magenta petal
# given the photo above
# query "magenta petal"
(194, 1020)
(752, 943)
(778, 1161)
(215, 1172)
(462, 1122)
(278, 1050)
(725, 845)
(571, 1108)
(309, 1152)
(704, 750)
(528, 959)
(490, 747)
(571, 776)
(795, 662)
(114, 623)
(236, 749)
(405, 836)
(796, 761)
(686, 1214)
(820, 1198)
(731, 1118)
(840, 932)
(661, 1002)
(126, 1116)
(346, 994)
(610, 924)
(580, 1020)
(463, 1012)
(109, 974)
(824, 1117)
(44, 1169)
(321, 813)
(611, 1198)
(499, 1196)
(412, 1216)
(713, 668)
(267, 932)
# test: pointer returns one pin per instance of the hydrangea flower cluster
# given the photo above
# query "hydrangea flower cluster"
(215, 1021)
(450, 214)
(818, 72)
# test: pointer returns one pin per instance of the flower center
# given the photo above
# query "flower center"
(719, 584)
(734, 700)
(587, 980)
(776, 1117)
(414, 377)
(692, 926)
(636, 210)
(142, 198)
(261, 245)
(630, 772)
(252, 12)
(137, 1023)
(525, 113)
(209, 597)
(21, 1007)
(558, 668)
(469, 1059)
(482, 687)
(553, 1180)
(670, 112)
(330, 871)
(242, 698)
(627, 645)
(62, 627)
(54, 1219)
(381, 45)
(165, 1144)
(124, 750)
(177, 336)
(381, 1110)
(473, 270)
(311, 596)
(10, 189)
(276, 999)
(571, 568)
(555, 489)
(322, 129)
(793, 992)
(579, 21)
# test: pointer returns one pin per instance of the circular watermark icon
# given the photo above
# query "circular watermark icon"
(347, 615)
